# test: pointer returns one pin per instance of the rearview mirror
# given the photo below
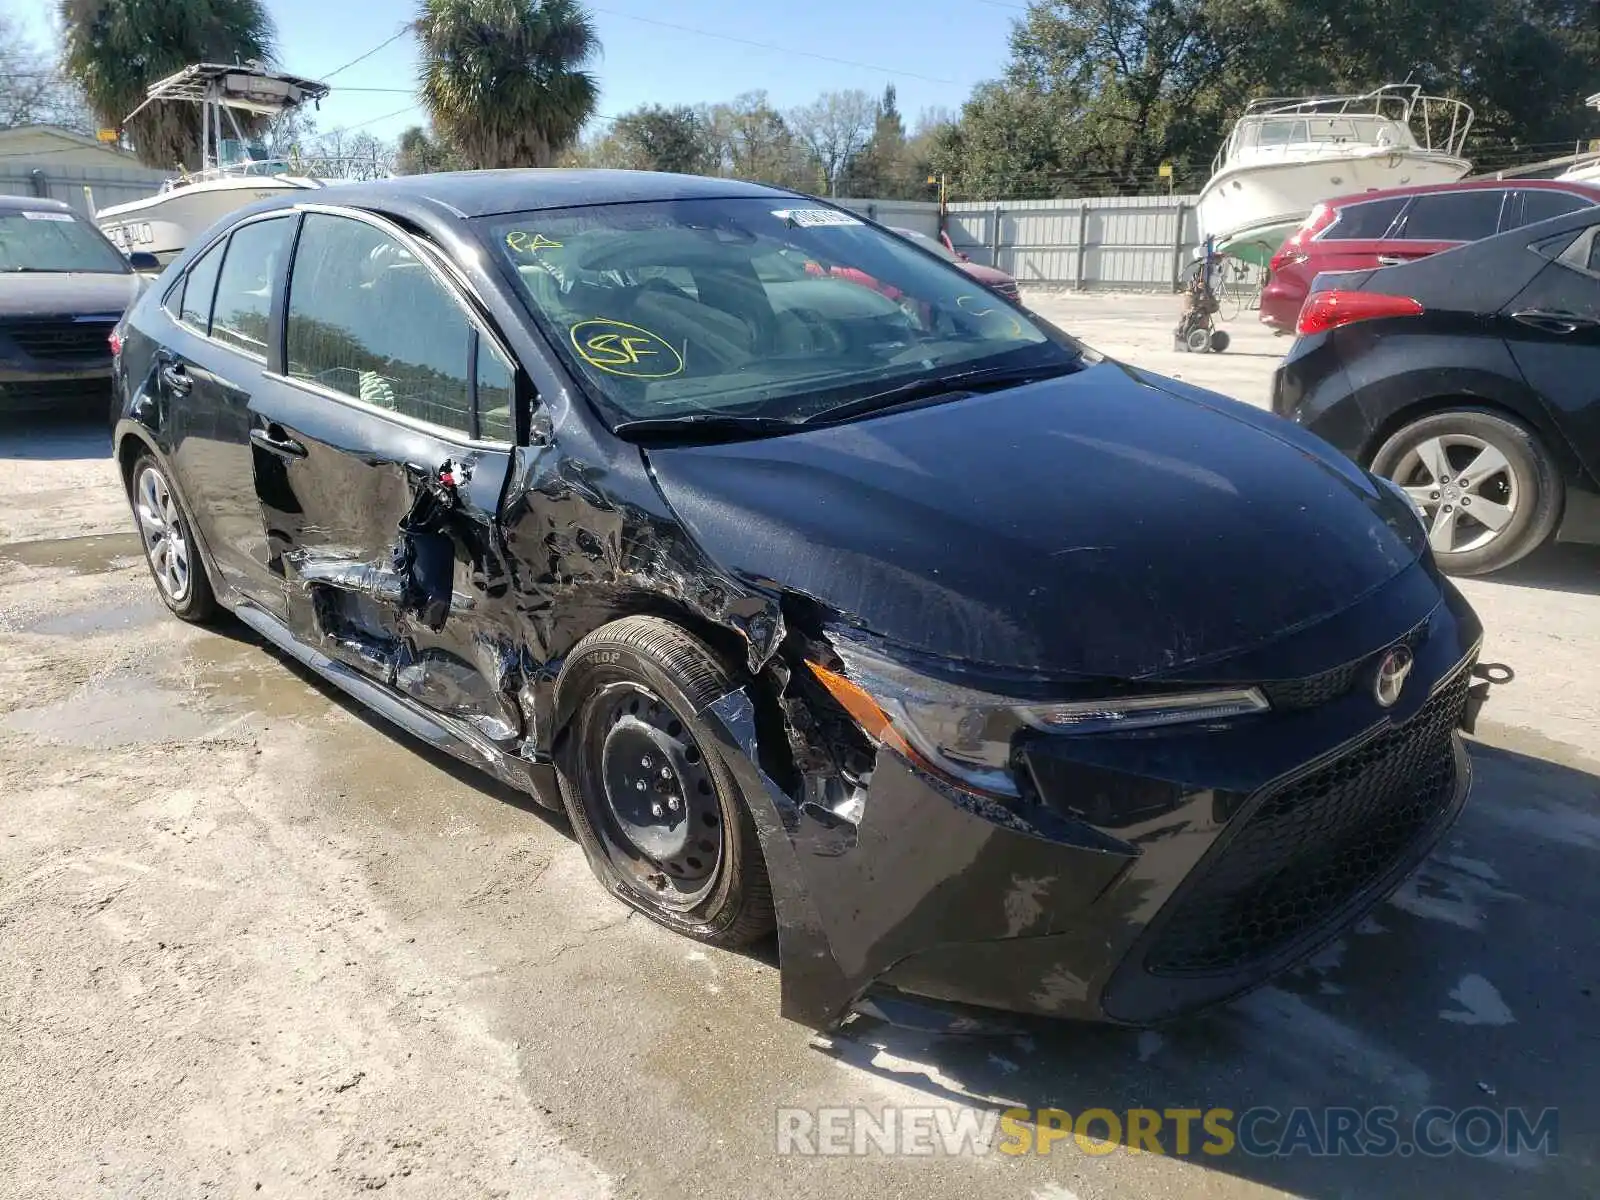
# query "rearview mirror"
(143, 260)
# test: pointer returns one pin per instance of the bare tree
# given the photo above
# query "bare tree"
(834, 128)
(32, 90)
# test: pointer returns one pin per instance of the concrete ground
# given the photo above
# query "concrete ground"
(260, 944)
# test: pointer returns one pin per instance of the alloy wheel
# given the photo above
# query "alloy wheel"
(161, 527)
(1466, 487)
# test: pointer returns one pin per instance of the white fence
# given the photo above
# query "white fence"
(85, 188)
(1132, 243)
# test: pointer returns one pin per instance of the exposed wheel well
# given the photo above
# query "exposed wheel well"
(1419, 409)
(128, 452)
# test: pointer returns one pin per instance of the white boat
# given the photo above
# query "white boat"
(1586, 170)
(235, 171)
(1285, 156)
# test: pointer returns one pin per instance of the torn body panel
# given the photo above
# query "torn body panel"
(1069, 899)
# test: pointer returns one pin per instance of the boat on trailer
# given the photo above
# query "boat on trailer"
(236, 169)
(1284, 156)
(1586, 169)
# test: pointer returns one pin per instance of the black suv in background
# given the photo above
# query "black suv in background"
(63, 286)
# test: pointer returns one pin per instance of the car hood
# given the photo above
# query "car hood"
(1108, 523)
(987, 276)
(67, 293)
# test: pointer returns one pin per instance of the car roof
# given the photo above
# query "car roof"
(483, 193)
(1469, 185)
(32, 204)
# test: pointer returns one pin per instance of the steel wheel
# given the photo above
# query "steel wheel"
(660, 821)
(165, 537)
(1467, 488)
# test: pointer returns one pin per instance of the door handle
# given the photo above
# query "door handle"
(1392, 260)
(1554, 322)
(176, 379)
(273, 440)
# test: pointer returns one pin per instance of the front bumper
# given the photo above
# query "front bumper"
(1152, 873)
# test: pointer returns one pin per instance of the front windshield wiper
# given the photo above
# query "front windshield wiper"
(960, 383)
(703, 427)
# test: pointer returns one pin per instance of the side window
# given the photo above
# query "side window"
(1542, 206)
(195, 308)
(497, 392)
(368, 319)
(244, 289)
(1454, 216)
(1364, 222)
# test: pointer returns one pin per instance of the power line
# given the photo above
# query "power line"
(405, 29)
(728, 37)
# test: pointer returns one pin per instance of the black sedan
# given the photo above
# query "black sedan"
(63, 287)
(822, 589)
(1469, 378)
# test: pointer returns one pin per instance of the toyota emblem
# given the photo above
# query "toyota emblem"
(1392, 672)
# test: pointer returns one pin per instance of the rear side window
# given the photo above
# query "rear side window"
(1542, 206)
(198, 289)
(244, 289)
(497, 392)
(1365, 222)
(1454, 216)
(368, 319)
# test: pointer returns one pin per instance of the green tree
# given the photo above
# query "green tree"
(752, 141)
(667, 139)
(506, 81)
(883, 168)
(114, 50)
(419, 152)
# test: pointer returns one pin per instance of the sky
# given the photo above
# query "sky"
(933, 51)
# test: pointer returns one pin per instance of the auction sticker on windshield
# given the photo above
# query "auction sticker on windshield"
(812, 218)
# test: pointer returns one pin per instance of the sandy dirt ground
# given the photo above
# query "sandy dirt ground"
(258, 943)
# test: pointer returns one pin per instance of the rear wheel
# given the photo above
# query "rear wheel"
(1488, 489)
(660, 815)
(169, 546)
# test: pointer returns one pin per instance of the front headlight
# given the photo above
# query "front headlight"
(967, 734)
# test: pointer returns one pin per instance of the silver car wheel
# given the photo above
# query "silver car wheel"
(165, 543)
(1467, 489)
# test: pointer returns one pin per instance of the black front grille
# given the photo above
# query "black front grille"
(1314, 690)
(51, 393)
(1312, 845)
(63, 341)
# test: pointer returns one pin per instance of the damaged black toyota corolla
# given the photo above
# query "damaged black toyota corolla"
(820, 587)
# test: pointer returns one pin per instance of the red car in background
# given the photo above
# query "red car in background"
(990, 277)
(1386, 228)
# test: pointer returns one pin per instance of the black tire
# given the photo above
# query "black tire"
(1196, 341)
(1529, 484)
(617, 673)
(1219, 340)
(194, 601)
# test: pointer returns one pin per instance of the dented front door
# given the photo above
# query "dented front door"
(387, 540)
(380, 452)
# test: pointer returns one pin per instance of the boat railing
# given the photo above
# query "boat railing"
(1438, 124)
(248, 168)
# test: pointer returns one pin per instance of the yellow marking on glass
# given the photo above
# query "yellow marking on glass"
(619, 348)
(521, 241)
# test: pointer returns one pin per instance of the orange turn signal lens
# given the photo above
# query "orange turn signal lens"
(874, 722)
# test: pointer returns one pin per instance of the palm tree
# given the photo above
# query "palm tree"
(504, 80)
(114, 49)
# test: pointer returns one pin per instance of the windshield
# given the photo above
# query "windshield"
(928, 243)
(55, 241)
(768, 308)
